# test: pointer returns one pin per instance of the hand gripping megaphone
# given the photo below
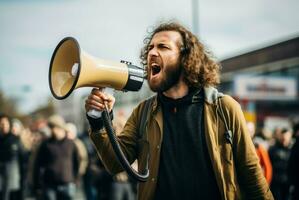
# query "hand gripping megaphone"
(72, 68)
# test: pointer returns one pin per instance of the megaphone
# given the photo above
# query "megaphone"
(72, 68)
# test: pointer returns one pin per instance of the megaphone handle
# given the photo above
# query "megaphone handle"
(95, 114)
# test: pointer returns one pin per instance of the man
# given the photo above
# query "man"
(11, 162)
(190, 156)
(279, 155)
(56, 164)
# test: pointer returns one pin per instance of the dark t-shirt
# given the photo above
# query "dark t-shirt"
(185, 170)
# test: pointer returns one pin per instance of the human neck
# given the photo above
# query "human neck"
(177, 91)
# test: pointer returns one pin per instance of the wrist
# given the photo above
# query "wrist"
(97, 124)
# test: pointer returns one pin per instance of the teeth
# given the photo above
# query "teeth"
(154, 65)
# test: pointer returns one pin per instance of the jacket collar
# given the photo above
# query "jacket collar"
(211, 95)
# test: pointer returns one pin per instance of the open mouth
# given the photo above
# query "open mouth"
(155, 69)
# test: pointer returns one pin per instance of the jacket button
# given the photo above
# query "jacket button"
(153, 179)
(158, 146)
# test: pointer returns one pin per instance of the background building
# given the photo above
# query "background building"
(266, 82)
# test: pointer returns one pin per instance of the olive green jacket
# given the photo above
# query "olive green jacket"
(236, 167)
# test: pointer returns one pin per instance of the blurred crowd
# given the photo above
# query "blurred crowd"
(50, 160)
(278, 152)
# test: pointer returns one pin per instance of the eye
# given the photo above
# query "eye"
(163, 46)
(150, 47)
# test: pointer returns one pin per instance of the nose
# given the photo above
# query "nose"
(152, 52)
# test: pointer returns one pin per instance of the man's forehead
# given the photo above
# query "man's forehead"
(166, 36)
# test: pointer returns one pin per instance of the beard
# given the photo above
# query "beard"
(170, 77)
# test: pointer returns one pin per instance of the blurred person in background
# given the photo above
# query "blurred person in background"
(32, 140)
(264, 137)
(279, 155)
(262, 153)
(11, 162)
(93, 169)
(56, 166)
(24, 134)
(72, 134)
(293, 165)
(276, 135)
(122, 187)
(17, 127)
(103, 182)
(191, 154)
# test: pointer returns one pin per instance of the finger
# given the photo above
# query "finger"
(88, 104)
(98, 89)
(103, 96)
(109, 107)
(110, 104)
(94, 107)
(98, 98)
(101, 109)
(94, 103)
(100, 94)
(101, 105)
(110, 97)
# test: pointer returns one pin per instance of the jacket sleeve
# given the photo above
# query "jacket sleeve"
(252, 182)
(127, 140)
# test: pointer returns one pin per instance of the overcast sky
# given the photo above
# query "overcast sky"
(111, 29)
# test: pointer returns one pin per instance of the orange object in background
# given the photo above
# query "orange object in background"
(264, 162)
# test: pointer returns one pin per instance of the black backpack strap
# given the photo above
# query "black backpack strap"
(144, 116)
(228, 133)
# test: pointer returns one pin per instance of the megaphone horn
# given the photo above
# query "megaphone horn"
(72, 68)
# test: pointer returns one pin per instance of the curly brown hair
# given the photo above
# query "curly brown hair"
(199, 67)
